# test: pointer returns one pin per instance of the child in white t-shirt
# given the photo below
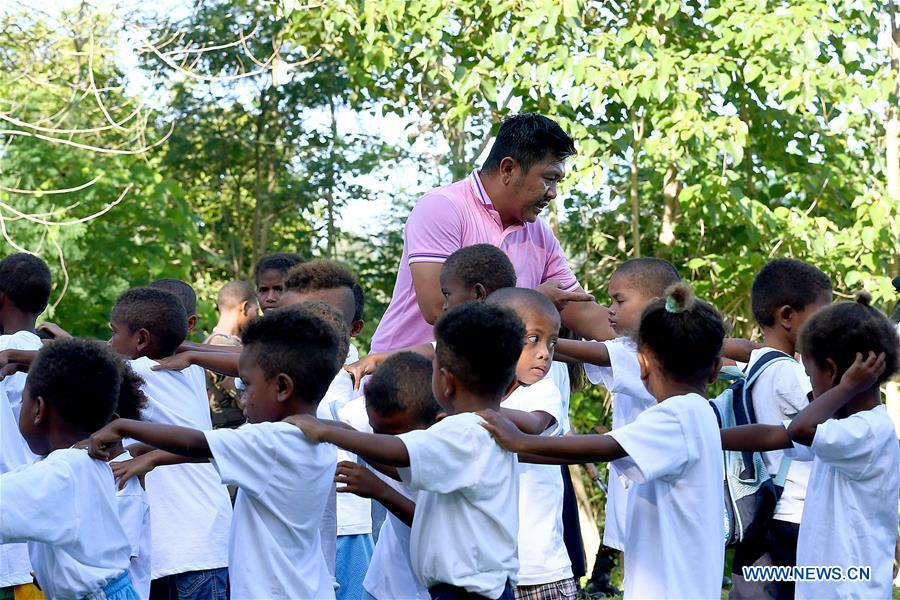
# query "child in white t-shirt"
(849, 516)
(545, 570)
(785, 293)
(288, 359)
(190, 510)
(64, 506)
(463, 538)
(673, 543)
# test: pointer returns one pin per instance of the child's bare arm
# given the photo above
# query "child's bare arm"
(13, 355)
(594, 353)
(384, 449)
(225, 363)
(370, 363)
(179, 440)
(141, 465)
(562, 450)
(738, 349)
(862, 375)
(362, 482)
(196, 347)
(535, 422)
(755, 438)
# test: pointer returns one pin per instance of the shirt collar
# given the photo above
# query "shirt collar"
(480, 193)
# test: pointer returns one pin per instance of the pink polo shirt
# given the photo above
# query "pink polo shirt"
(452, 217)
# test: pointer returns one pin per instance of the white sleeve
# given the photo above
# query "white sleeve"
(543, 396)
(848, 445)
(798, 452)
(245, 456)
(37, 504)
(792, 388)
(626, 371)
(656, 444)
(442, 457)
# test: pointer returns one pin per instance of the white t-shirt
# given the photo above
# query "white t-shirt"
(391, 573)
(466, 523)
(559, 374)
(15, 568)
(630, 399)
(283, 481)
(543, 557)
(15, 383)
(65, 508)
(850, 518)
(673, 545)
(190, 509)
(134, 512)
(780, 393)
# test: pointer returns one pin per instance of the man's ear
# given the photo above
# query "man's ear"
(143, 339)
(192, 322)
(357, 327)
(284, 386)
(480, 292)
(508, 168)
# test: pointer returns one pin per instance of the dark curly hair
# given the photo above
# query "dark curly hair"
(785, 281)
(326, 275)
(480, 345)
(294, 341)
(684, 333)
(80, 379)
(182, 290)
(481, 263)
(159, 312)
(132, 401)
(25, 280)
(839, 331)
(280, 261)
(403, 383)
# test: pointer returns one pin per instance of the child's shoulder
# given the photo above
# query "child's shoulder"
(21, 340)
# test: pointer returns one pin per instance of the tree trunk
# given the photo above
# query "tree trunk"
(331, 243)
(892, 124)
(637, 128)
(671, 189)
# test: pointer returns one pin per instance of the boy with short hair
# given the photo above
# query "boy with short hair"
(185, 293)
(190, 511)
(463, 539)
(288, 359)
(269, 275)
(785, 294)
(64, 505)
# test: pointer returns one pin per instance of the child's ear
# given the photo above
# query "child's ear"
(447, 381)
(284, 386)
(143, 339)
(192, 322)
(40, 411)
(644, 363)
(440, 416)
(480, 293)
(784, 316)
(357, 328)
(831, 369)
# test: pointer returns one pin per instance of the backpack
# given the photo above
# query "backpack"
(750, 491)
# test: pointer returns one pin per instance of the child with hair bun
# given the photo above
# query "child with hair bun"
(849, 520)
(671, 451)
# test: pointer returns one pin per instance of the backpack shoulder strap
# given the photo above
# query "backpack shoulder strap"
(781, 477)
(744, 412)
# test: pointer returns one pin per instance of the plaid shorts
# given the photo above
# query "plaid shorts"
(558, 590)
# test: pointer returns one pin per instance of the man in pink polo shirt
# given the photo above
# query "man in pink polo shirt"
(498, 205)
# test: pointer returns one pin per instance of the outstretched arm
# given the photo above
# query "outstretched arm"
(143, 464)
(178, 440)
(360, 481)
(738, 349)
(594, 353)
(562, 450)
(755, 438)
(385, 449)
(862, 375)
(225, 363)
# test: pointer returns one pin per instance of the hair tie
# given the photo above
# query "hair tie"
(672, 306)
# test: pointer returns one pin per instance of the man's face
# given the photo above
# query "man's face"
(535, 188)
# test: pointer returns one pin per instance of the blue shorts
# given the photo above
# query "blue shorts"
(119, 588)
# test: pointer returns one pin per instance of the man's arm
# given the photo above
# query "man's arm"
(587, 319)
(427, 283)
(171, 438)
(594, 353)
(385, 449)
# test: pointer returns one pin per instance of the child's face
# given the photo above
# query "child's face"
(260, 396)
(123, 341)
(541, 333)
(440, 386)
(269, 289)
(626, 305)
(30, 430)
(822, 379)
(455, 291)
(400, 422)
(799, 317)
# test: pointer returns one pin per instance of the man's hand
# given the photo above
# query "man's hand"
(863, 373)
(54, 330)
(504, 431)
(136, 467)
(365, 366)
(559, 297)
(104, 439)
(358, 480)
(309, 425)
(176, 362)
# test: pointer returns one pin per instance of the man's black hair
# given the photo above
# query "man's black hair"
(80, 379)
(403, 383)
(280, 261)
(25, 280)
(841, 330)
(785, 281)
(233, 294)
(158, 311)
(480, 345)
(529, 138)
(294, 341)
(182, 290)
(649, 276)
(324, 274)
(481, 263)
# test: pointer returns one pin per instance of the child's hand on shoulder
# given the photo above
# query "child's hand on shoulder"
(358, 480)
(103, 440)
(309, 425)
(504, 431)
(863, 373)
(135, 467)
(364, 366)
(176, 362)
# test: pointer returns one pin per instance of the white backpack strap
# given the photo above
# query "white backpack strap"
(781, 477)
